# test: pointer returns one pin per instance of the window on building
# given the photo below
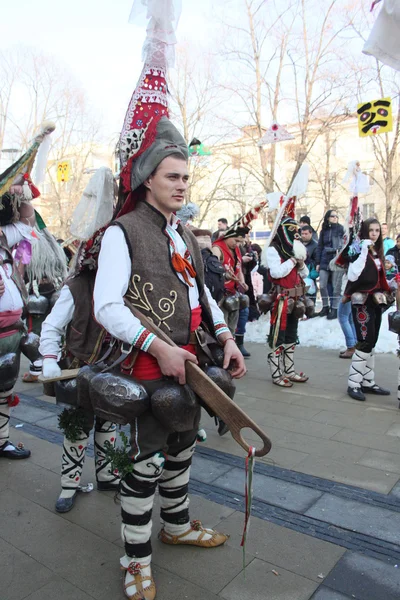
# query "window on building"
(371, 176)
(368, 210)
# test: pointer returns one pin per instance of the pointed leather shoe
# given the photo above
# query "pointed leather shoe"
(64, 505)
(14, 453)
(375, 389)
(356, 393)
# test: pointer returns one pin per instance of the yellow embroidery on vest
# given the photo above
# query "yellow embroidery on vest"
(140, 300)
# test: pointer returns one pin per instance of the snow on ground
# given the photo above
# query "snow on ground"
(322, 333)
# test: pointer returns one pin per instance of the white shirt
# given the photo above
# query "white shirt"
(112, 281)
(279, 269)
(11, 299)
(55, 324)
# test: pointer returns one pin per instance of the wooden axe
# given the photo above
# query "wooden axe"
(211, 394)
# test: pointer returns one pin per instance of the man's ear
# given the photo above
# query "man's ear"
(147, 182)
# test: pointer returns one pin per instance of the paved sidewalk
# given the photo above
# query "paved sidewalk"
(326, 510)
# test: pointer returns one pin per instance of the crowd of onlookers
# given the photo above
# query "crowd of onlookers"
(325, 277)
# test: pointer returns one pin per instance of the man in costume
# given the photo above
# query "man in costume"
(16, 221)
(71, 319)
(149, 257)
(226, 249)
(285, 259)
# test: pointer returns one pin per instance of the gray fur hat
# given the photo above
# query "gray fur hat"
(168, 141)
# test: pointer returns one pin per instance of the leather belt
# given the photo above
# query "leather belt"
(295, 292)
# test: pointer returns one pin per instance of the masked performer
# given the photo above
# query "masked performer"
(149, 257)
(368, 291)
(285, 258)
(71, 319)
(16, 220)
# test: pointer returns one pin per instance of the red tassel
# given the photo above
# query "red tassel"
(12, 400)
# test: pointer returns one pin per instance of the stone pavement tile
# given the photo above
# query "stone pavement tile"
(283, 457)
(274, 491)
(207, 470)
(49, 423)
(20, 574)
(211, 569)
(385, 461)
(396, 491)
(324, 593)
(357, 475)
(369, 423)
(365, 578)
(261, 584)
(356, 516)
(276, 407)
(84, 559)
(259, 388)
(328, 402)
(94, 511)
(30, 414)
(302, 443)
(59, 589)
(385, 442)
(394, 430)
(284, 547)
(173, 587)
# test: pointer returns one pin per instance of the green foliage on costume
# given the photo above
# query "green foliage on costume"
(71, 422)
(39, 221)
(121, 462)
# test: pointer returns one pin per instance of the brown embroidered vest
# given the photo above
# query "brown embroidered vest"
(155, 288)
(84, 337)
(15, 276)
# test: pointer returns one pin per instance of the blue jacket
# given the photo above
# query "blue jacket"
(330, 240)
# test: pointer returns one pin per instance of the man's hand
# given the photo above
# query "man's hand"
(50, 368)
(233, 355)
(317, 268)
(2, 286)
(171, 359)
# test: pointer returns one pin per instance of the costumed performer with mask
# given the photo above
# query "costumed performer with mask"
(147, 256)
(71, 319)
(17, 218)
(285, 258)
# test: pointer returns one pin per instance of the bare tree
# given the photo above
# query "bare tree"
(50, 93)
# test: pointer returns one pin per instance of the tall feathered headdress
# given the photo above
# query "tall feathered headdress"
(242, 225)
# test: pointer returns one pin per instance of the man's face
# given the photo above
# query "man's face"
(306, 236)
(384, 230)
(233, 242)
(222, 226)
(167, 187)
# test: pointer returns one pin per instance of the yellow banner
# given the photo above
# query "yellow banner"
(375, 117)
(63, 171)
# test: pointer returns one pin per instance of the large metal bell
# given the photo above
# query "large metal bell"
(223, 379)
(176, 407)
(9, 369)
(37, 305)
(66, 392)
(231, 303)
(29, 346)
(265, 302)
(244, 301)
(53, 298)
(310, 307)
(117, 398)
(217, 354)
(394, 321)
(299, 309)
(83, 379)
(290, 305)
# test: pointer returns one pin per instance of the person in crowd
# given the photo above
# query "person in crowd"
(306, 221)
(329, 243)
(395, 252)
(390, 267)
(222, 225)
(346, 322)
(388, 243)
(311, 247)
(226, 249)
(365, 289)
(257, 280)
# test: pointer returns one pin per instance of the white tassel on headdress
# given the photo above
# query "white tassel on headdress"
(48, 260)
(95, 208)
(26, 191)
(188, 212)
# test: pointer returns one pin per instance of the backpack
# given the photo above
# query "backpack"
(213, 274)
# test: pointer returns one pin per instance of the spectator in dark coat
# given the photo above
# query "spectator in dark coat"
(395, 251)
(330, 241)
(306, 221)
